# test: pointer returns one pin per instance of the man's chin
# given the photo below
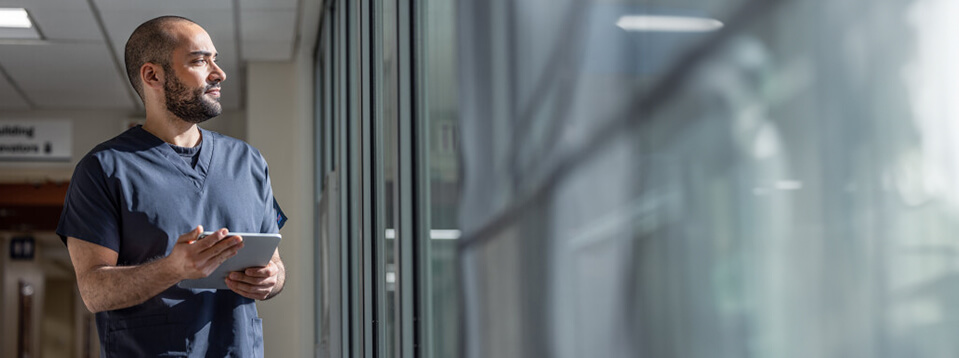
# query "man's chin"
(196, 120)
(208, 114)
(214, 104)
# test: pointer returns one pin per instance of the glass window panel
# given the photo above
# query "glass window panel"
(778, 187)
(385, 102)
(438, 157)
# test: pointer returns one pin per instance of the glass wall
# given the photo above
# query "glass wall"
(439, 177)
(387, 142)
(645, 178)
(723, 178)
(385, 102)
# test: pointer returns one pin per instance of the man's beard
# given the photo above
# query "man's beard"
(190, 106)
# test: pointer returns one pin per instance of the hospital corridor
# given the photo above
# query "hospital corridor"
(479, 178)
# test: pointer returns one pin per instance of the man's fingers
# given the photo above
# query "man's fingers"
(253, 280)
(213, 239)
(192, 235)
(217, 245)
(215, 261)
(199, 257)
(260, 271)
(229, 251)
(247, 290)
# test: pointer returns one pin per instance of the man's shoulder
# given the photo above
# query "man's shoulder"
(233, 145)
(109, 155)
(225, 140)
(128, 143)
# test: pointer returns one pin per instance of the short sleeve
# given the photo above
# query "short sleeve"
(90, 210)
(273, 218)
(280, 216)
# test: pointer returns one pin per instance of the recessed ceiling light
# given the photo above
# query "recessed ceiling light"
(668, 23)
(15, 18)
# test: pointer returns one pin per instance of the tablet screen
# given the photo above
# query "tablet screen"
(256, 252)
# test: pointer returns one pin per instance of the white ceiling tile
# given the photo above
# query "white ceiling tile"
(65, 98)
(46, 4)
(9, 98)
(89, 79)
(267, 50)
(267, 4)
(19, 33)
(179, 5)
(68, 25)
(217, 23)
(273, 25)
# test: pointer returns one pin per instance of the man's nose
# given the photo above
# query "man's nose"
(217, 75)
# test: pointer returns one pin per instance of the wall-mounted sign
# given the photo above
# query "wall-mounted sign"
(22, 248)
(36, 140)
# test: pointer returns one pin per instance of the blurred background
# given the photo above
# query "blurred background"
(641, 182)
(563, 178)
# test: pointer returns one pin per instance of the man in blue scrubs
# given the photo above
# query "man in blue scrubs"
(138, 203)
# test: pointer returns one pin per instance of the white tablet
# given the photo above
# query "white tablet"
(256, 252)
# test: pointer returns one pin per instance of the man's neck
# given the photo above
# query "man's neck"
(173, 130)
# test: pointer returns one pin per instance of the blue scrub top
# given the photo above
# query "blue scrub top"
(134, 194)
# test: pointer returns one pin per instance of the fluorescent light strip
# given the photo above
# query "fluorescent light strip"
(15, 18)
(655, 23)
(438, 234)
(444, 234)
(788, 185)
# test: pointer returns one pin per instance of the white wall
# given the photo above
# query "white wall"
(279, 121)
(280, 125)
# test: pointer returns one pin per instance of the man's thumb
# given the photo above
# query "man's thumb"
(192, 235)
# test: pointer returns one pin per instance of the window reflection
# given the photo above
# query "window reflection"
(439, 186)
(777, 187)
(386, 112)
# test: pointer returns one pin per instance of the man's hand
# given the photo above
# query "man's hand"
(259, 283)
(104, 286)
(197, 258)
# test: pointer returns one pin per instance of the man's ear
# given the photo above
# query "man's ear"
(151, 75)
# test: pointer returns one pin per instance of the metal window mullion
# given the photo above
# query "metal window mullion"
(321, 60)
(369, 272)
(406, 276)
(379, 141)
(355, 143)
(343, 240)
(328, 94)
(421, 128)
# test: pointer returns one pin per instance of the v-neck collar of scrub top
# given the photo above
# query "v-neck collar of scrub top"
(197, 176)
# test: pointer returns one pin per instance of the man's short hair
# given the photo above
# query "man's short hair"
(151, 42)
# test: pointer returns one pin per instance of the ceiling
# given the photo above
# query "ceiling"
(79, 62)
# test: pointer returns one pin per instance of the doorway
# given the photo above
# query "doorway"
(41, 313)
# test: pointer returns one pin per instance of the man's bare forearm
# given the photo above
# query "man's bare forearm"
(107, 288)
